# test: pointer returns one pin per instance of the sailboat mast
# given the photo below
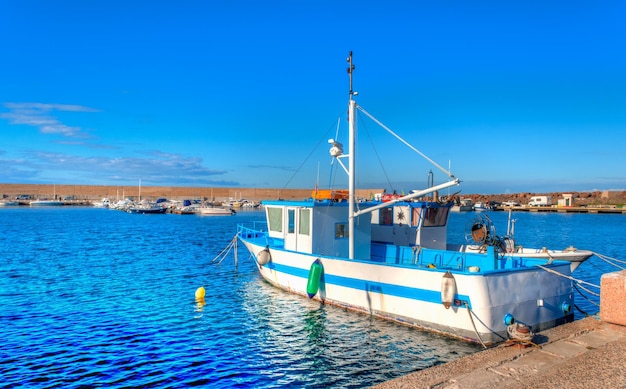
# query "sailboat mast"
(351, 162)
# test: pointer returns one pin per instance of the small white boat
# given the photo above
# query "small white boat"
(146, 207)
(464, 205)
(391, 259)
(215, 211)
(46, 203)
(186, 207)
(9, 203)
(480, 206)
(122, 205)
(103, 203)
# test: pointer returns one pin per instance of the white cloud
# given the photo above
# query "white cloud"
(155, 168)
(40, 115)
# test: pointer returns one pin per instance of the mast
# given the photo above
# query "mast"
(351, 162)
(337, 152)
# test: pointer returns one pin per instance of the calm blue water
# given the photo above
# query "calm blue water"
(94, 297)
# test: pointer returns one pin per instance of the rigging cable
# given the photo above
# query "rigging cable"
(307, 157)
(447, 173)
(376, 153)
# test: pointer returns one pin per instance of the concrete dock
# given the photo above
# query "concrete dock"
(588, 353)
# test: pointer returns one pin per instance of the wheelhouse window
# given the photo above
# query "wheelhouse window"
(291, 221)
(415, 217)
(435, 217)
(341, 231)
(385, 216)
(275, 219)
(305, 222)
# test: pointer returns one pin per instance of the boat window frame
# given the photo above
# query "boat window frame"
(291, 221)
(416, 217)
(385, 216)
(304, 225)
(435, 217)
(342, 231)
(275, 219)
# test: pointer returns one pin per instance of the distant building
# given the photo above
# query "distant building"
(566, 201)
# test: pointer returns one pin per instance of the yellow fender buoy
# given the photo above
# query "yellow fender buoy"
(448, 289)
(200, 293)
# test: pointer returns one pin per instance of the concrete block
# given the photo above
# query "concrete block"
(612, 297)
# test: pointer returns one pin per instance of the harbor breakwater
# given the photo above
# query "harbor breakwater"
(96, 192)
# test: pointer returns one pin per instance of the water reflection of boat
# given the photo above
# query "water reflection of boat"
(392, 260)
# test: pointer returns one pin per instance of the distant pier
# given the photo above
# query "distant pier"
(605, 209)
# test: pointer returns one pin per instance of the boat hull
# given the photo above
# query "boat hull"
(413, 296)
(156, 210)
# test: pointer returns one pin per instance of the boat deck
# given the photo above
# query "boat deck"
(466, 262)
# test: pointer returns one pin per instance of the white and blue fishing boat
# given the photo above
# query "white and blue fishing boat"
(391, 259)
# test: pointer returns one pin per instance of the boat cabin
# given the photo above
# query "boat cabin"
(321, 227)
(416, 223)
(317, 227)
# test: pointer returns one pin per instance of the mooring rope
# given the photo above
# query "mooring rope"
(222, 255)
(520, 332)
(585, 297)
(566, 276)
(469, 312)
(610, 260)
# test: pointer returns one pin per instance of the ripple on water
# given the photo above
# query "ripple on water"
(93, 297)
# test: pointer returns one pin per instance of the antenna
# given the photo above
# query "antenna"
(350, 70)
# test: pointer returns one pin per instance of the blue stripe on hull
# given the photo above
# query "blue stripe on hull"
(411, 293)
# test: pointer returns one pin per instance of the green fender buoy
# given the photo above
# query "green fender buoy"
(315, 276)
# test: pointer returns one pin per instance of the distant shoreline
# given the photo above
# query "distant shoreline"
(96, 192)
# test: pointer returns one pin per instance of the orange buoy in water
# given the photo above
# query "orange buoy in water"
(200, 293)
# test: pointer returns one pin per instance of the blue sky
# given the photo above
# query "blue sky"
(513, 96)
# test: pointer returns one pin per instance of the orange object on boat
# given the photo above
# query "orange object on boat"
(329, 194)
(388, 197)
